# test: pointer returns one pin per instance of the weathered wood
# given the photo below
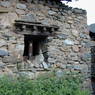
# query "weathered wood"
(34, 28)
(34, 24)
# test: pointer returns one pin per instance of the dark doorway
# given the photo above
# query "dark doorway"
(92, 36)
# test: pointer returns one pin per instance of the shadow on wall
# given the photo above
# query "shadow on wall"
(92, 36)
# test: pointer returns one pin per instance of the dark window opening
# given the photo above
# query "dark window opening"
(35, 48)
(32, 45)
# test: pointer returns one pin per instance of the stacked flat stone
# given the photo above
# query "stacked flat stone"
(68, 49)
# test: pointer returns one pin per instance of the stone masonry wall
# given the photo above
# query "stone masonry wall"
(68, 50)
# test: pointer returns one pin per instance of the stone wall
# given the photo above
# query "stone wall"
(68, 50)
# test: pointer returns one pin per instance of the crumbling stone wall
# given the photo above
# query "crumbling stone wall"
(68, 50)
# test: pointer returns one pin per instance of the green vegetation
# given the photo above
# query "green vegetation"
(48, 84)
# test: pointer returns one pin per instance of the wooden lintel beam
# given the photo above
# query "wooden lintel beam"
(35, 28)
(36, 24)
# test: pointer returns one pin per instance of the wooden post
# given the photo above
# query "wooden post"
(30, 50)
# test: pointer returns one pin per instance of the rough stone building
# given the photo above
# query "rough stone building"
(67, 50)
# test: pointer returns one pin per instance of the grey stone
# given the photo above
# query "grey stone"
(50, 12)
(4, 53)
(32, 69)
(12, 39)
(19, 47)
(75, 33)
(67, 26)
(51, 60)
(1, 27)
(69, 66)
(79, 11)
(21, 6)
(63, 66)
(45, 65)
(39, 59)
(72, 54)
(49, 39)
(75, 58)
(45, 22)
(29, 17)
(62, 18)
(36, 65)
(62, 36)
(75, 48)
(92, 27)
(2, 43)
(12, 17)
(70, 21)
(68, 42)
(86, 57)
(88, 44)
(77, 42)
(20, 12)
(9, 59)
(7, 35)
(5, 4)
(84, 68)
(83, 35)
(29, 75)
(77, 67)
(2, 65)
(59, 73)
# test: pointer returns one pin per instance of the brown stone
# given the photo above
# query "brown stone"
(75, 48)
(65, 49)
(82, 50)
(75, 33)
(69, 21)
(4, 10)
(12, 17)
(4, 20)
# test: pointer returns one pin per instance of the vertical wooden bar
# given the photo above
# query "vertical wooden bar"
(30, 50)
